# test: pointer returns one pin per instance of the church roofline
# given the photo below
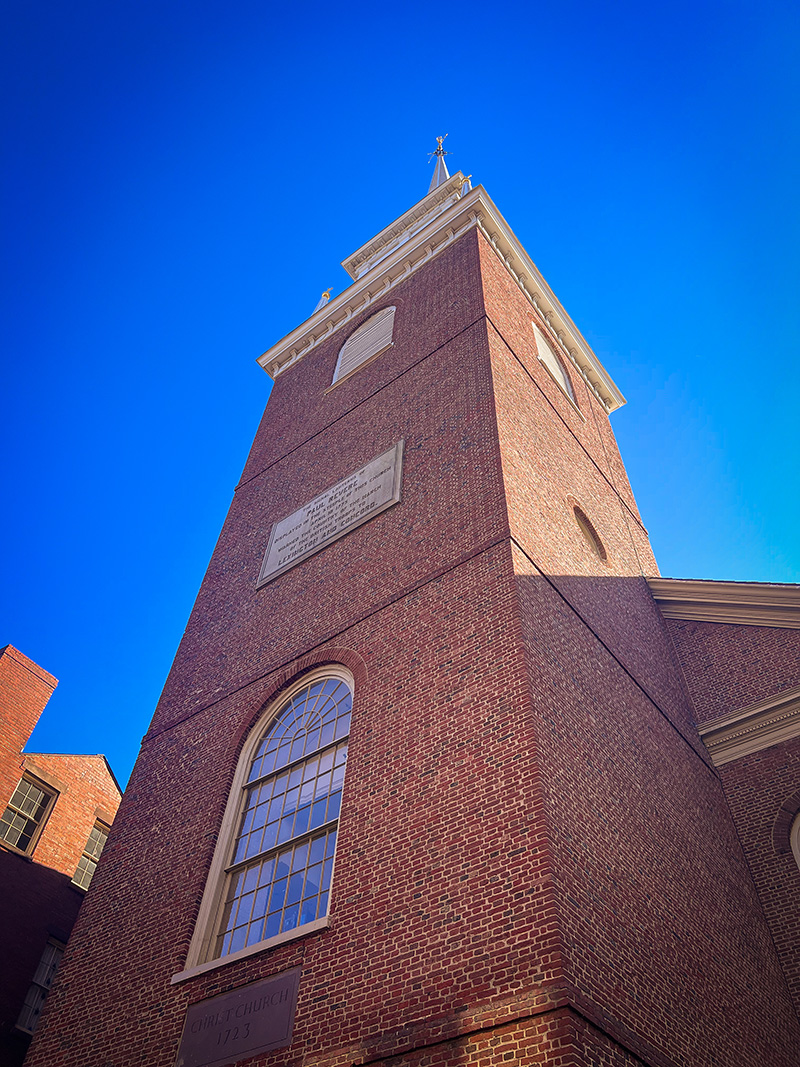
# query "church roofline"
(404, 227)
(735, 603)
(411, 241)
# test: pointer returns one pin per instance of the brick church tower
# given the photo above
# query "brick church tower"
(424, 786)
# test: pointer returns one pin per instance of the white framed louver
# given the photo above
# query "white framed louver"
(370, 339)
(554, 363)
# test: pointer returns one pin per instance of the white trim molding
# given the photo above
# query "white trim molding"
(794, 839)
(751, 729)
(403, 229)
(251, 950)
(737, 603)
(200, 956)
(415, 238)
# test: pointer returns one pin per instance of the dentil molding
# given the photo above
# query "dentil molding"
(753, 728)
(736, 603)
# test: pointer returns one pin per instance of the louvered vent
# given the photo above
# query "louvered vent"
(553, 363)
(374, 336)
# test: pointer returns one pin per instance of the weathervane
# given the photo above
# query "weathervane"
(440, 172)
(439, 151)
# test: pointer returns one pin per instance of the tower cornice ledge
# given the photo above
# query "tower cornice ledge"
(411, 241)
(754, 728)
(736, 603)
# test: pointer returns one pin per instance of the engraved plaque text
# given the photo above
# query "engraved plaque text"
(355, 499)
(236, 1025)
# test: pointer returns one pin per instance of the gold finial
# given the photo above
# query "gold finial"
(323, 300)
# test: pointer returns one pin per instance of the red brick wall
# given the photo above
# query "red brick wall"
(468, 911)
(660, 923)
(39, 900)
(757, 787)
(728, 667)
(640, 835)
(89, 793)
(550, 458)
(24, 690)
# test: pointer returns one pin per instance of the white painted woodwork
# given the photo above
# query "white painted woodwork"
(370, 339)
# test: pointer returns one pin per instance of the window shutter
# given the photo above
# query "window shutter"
(554, 364)
(373, 337)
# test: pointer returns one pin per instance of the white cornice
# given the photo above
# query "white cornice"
(396, 258)
(404, 228)
(753, 728)
(737, 603)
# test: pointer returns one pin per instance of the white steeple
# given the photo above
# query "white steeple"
(440, 173)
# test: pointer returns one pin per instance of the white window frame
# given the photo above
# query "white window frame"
(794, 839)
(86, 855)
(201, 948)
(52, 795)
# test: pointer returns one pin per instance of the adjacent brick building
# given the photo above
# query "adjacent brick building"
(537, 858)
(55, 811)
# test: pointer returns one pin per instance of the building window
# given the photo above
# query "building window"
(554, 364)
(279, 862)
(26, 814)
(794, 839)
(370, 339)
(87, 864)
(40, 986)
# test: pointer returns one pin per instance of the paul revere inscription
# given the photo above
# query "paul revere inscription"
(343, 507)
(243, 1023)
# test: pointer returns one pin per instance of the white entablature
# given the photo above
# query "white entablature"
(403, 229)
(411, 241)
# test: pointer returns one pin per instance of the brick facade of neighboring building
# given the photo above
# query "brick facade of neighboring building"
(536, 860)
(40, 899)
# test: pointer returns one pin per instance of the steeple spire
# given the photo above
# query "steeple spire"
(440, 173)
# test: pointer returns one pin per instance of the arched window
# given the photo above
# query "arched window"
(794, 839)
(272, 872)
(370, 339)
(554, 364)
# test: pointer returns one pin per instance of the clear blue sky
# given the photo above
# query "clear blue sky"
(183, 179)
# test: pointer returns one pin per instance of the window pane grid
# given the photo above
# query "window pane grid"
(25, 811)
(294, 802)
(280, 871)
(311, 720)
(87, 864)
(278, 893)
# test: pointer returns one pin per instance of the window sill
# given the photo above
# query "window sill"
(16, 851)
(251, 950)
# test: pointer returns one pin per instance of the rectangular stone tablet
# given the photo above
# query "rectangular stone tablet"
(337, 511)
(240, 1024)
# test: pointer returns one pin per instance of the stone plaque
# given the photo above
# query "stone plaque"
(231, 1027)
(355, 499)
